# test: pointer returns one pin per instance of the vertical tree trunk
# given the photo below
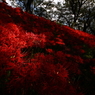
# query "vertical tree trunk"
(28, 5)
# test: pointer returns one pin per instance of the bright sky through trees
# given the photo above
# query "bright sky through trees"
(55, 1)
(8, 1)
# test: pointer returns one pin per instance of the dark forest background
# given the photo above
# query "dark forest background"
(77, 14)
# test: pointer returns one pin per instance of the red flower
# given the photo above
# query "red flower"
(49, 50)
(51, 73)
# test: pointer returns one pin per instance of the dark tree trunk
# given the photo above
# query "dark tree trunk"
(28, 5)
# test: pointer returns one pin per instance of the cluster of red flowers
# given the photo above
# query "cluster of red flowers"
(40, 57)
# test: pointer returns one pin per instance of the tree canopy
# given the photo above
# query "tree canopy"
(78, 14)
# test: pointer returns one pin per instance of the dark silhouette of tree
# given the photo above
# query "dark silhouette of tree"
(4, 1)
(28, 5)
(38, 7)
(77, 14)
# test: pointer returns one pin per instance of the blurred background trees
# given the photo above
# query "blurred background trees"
(77, 14)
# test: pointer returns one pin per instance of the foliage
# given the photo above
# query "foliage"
(38, 56)
(77, 14)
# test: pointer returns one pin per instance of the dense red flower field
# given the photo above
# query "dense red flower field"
(41, 57)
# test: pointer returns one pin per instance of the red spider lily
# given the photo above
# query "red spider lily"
(52, 73)
(49, 50)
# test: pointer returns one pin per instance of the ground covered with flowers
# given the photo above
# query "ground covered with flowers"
(41, 57)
